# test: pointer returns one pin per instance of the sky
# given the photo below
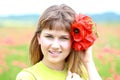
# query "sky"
(20, 7)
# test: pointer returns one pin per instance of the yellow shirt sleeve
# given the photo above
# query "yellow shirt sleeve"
(24, 75)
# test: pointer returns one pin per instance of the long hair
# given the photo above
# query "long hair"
(56, 17)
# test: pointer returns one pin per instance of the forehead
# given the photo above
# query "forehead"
(55, 32)
(57, 25)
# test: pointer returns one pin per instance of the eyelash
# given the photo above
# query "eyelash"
(49, 36)
(63, 38)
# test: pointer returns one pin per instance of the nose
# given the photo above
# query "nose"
(55, 44)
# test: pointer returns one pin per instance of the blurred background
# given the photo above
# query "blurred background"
(18, 19)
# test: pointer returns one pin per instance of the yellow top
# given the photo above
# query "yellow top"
(40, 71)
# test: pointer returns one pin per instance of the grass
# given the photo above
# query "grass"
(15, 61)
(14, 52)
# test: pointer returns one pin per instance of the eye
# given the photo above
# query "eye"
(64, 38)
(49, 36)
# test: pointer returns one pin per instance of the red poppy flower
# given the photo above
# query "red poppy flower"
(78, 33)
(82, 33)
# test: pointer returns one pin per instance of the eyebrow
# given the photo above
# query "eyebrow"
(60, 35)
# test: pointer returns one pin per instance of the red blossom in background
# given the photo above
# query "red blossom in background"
(82, 32)
(20, 64)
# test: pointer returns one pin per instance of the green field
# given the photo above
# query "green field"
(14, 55)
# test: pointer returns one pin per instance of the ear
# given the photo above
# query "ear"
(38, 38)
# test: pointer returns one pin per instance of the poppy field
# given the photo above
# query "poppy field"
(14, 50)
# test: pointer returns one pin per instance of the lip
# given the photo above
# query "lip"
(55, 53)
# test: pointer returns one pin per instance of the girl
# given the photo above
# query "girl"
(51, 51)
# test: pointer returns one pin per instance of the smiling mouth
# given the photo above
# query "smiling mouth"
(55, 52)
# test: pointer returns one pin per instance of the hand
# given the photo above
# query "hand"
(86, 56)
(73, 76)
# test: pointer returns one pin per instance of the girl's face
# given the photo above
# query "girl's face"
(55, 45)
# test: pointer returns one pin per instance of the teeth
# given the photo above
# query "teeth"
(53, 52)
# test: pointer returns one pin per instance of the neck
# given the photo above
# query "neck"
(55, 66)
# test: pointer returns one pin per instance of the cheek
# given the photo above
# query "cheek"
(44, 42)
(67, 49)
(67, 46)
(44, 45)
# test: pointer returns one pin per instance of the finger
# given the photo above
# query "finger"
(69, 73)
(76, 77)
(69, 77)
(90, 48)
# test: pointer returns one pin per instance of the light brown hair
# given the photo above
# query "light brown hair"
(55, 17)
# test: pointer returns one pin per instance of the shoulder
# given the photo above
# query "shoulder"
(25, 75)
(28, 73)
